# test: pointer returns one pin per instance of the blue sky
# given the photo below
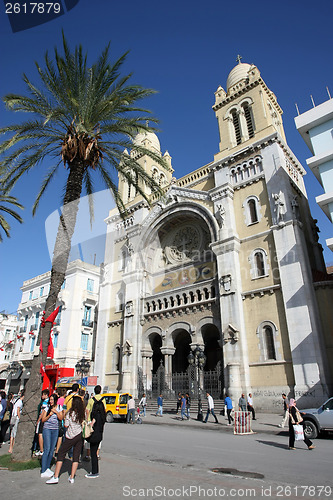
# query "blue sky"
(184, 50)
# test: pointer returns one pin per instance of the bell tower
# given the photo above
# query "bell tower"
(248, 111)
(162, 176)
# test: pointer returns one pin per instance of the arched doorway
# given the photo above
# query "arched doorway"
(156, 344)
(182, 340)
(213, 370)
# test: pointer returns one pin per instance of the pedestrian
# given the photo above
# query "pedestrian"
(130, 410)
(228, 404)
(188, 405)
(44, 401)
(250, 406)
(242, 403)
(89, 407)
(15, 418)
(6, 417)
(179, 402)
(143, 404)
(73, 424)
(159, 406)
(210, 408)
(68, 400)
(50, 417)
(285, 410)
(183, 407)
(294, 419)
(98, 419)
(3, 407)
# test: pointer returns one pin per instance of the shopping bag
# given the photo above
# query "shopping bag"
(87, 429)
(299, 432)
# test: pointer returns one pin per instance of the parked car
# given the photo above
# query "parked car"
(116, 405)
(317, 420)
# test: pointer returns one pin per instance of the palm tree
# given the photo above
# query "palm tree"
(5, 200)
(83, 117)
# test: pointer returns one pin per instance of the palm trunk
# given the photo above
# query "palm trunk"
(26, 428)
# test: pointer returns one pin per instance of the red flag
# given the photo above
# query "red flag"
(53, 315)
(42, 369)
(50, 349)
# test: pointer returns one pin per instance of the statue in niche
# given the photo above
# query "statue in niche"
(129, 248)
(220, 215)
(280, 207)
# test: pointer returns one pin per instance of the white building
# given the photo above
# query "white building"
(73, 332)
(8, 331)
(316, 128)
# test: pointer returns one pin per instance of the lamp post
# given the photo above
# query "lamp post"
(198, 359)
(83, 367)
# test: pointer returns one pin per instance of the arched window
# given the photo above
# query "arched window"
(120, 301)
(116, 358)
(252, 211)
(249, 121)
(237, 128)
(269, 342)
(251, 207)
(259, 264)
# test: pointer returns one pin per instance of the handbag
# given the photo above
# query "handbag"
(87, 430)
(299, 432)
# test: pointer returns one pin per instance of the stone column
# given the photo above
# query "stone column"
(168, 352)
(147, 356)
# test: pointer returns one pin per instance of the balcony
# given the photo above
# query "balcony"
(23, 329)
(88, 323)
(33, 328)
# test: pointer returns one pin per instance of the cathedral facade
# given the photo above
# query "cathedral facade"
(222, 265)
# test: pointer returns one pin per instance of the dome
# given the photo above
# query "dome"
(237, 74)
(151, 137)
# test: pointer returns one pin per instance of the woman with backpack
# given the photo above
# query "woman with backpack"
(96, 414)
(73, 425)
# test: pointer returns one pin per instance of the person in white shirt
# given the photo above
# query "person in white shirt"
(14, 421)
(250, 406)
(131, 410)
(210, 408)
(143, 404)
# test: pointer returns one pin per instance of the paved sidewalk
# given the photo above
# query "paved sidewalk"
(267, 423)
(28, 484)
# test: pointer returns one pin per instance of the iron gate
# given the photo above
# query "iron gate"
(187, 382)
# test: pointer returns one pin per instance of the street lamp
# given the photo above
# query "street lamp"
(198, 359)
(83, 367)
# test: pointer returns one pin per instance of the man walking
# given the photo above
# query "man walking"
(285, 411)
(228, 403)
(188, 405)
(210, 408)
(160, 406)
(250, 406)
(242, 403)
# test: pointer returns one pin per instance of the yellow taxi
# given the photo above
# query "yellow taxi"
(116, 405)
